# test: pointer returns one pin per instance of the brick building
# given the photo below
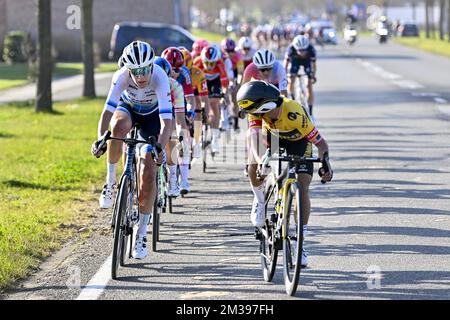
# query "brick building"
(22, 15)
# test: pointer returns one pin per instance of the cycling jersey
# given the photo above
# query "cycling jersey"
(199, 82)
(293, 124)
(177, 94)
(155, 97)
(186, 81)
(277, 77)
(218, 71)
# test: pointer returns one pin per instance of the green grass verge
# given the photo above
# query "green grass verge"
(434, 45)
(210, 36)
(47, 179)
(17, 74)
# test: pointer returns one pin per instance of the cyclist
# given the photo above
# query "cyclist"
(266, 67)
(183, 76)
(301, 53)
(246, 50)
(201, 100)
(216, 76)
(229, 47)
(139, 93)
(286, 120)
(177, 95)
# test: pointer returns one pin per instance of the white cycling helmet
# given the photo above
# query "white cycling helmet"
(264, 58)
(300, 42)
(137, 54)
(245, 42)
(210, 54)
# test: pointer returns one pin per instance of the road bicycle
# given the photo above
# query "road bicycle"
(284, 219)
(126, 204)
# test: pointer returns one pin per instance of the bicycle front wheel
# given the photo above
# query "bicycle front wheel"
(119, 226)
(268, 241)
(156, 214)
(293, 240)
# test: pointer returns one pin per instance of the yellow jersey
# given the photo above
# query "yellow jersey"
(293, 124)
(199, 81)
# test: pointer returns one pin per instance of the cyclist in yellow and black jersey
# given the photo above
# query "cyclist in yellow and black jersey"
(287, 120)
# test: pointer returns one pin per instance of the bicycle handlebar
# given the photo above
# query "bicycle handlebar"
(131, 141)
(289, 158)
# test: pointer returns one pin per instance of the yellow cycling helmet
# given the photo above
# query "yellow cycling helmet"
(258, 97)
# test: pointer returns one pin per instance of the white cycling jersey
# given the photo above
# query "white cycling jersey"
(229, 68)
(155, 96)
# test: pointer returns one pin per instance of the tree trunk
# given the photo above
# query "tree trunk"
(441, 19)
(45, 65)
(432, 20)
(427, 19)
(88, 50)
(448, 20)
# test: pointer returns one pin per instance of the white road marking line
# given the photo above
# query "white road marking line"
(440, 100)
(97, 284)
(395, 78)
(408, 84)
(445, 108)
(391, 76)
(424, 94)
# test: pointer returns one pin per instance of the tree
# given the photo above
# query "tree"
(427, 18)
(45, 59)
(448, 20)
(441, 19)
(88, 50)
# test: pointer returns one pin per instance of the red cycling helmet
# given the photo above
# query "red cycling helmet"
(174, 56)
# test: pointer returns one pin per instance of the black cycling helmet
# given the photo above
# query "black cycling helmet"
(258, 97)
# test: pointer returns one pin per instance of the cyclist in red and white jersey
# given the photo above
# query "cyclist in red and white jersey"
(266, 67)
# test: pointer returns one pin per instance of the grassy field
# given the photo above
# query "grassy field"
(47, 180)
(433, 45)
(14, 75)
(210, 36)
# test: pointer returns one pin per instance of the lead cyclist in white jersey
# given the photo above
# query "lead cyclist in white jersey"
(140, 93)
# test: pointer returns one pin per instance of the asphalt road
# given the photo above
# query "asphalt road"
(380, 230)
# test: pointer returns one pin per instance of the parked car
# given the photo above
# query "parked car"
(159, 35)
(329, 35)
(408, 30)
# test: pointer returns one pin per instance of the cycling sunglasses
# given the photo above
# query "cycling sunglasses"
(265, 70)
(140, 71)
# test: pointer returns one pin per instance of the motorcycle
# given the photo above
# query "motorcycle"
(350, 35)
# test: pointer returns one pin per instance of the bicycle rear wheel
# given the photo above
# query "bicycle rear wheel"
(293, 242)
(268, 241)
(119, 226)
